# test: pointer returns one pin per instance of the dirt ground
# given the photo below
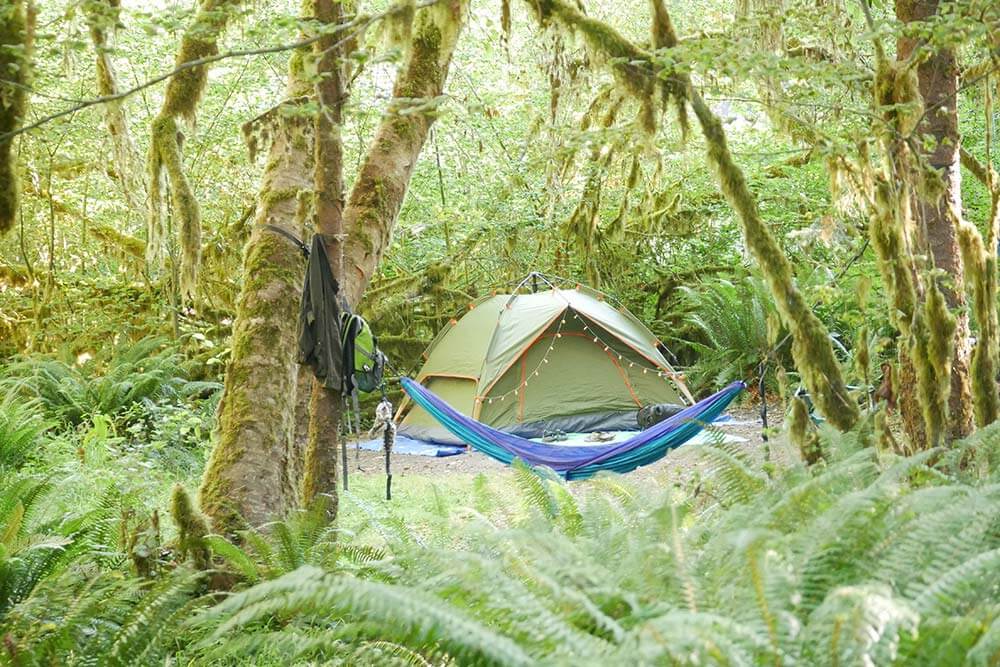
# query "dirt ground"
(677, 465)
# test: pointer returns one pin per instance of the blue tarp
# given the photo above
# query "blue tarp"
(405, 445)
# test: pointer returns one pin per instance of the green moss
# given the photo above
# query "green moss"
(931, 347)
(862, 360)
(128, 245)
(895, 263)
(272, 197)
(273, 272)
(802, 432)
(191, 529)
(319, 477)
(981, 272)
(144, 546)
(360, 236)
(15, 64)
(180, 100)
(200, 41)
(397, 24)
(166, 147)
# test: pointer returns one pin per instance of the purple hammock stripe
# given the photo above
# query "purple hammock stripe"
(577, 461)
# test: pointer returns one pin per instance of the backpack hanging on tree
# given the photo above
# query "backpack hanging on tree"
(364, 362)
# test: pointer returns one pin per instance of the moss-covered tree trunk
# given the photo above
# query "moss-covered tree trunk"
(300, 436)
(166, 158)
(381, 184)
(369, 216)
(16, 32)
(320, 471)
(102, 19)
(936, 219)
(248, 478)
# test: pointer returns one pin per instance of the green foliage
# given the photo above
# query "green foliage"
(133, 380)
(860, 557)
(858, 560)
(731, 319)
(20, 431)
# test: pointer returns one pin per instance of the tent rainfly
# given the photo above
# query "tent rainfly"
(559, 359)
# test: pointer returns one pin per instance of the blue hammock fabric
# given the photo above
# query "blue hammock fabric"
(577, 462)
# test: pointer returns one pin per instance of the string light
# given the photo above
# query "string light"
(587, 330)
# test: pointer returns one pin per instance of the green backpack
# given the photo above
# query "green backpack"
(364, 362)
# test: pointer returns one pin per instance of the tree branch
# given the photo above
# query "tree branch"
(358, 25)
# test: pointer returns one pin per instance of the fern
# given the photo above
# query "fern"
(139, 640)
(20, 431)
(535, 490)
(402, 615)
(730, 319)
(134, 377)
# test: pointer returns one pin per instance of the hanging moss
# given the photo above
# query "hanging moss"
(191, 529)
(665, 37)
(981, 272)
(931, 341)
(16, 32)
(802, 432)
(630, 64)
(885, 440)
(166, 143)
(103, 17)
(862, 360)
(180, 100)
(894, 234)
(811, 346)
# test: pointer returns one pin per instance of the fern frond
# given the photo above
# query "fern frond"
(405, 616)
(234, 556)
(534, 490)
(155, 617)
(970, 583)
(858, 625)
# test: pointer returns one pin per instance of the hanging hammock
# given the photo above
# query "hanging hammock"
(577, 462)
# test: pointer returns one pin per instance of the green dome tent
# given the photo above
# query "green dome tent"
(559, 359)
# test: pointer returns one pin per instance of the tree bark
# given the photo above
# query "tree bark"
(936, 218)
(248, 478)
(320, 472)
(381, 185)
(17, 19)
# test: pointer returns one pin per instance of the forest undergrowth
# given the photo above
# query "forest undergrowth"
(865, 557)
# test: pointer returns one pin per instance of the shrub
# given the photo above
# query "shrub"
(731, 318)
(126, 387)
(20, 430)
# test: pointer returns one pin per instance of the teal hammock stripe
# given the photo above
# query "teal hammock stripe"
(577, 462)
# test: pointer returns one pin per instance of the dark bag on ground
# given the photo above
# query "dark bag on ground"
(654, 414)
